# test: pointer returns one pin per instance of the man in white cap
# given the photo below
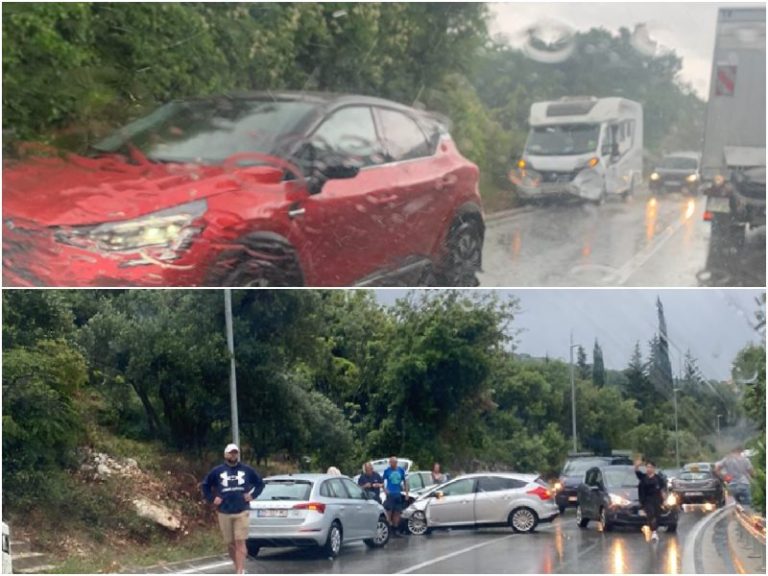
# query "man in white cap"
(235, 484)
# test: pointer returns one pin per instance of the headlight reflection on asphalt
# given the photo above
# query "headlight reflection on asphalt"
(673, 556)
(651, 213)
(690, 209)
(617, 557)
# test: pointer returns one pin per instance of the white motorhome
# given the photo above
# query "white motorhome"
(586, 147)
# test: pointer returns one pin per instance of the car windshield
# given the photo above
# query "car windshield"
(563, 140)
(209, 132)
(689, 476)
(578, 467)
(678, 163)
(286, 490)
(620, 477)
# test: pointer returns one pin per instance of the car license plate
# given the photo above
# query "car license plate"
(673, 182)
(717, 204)
(273, 513)
(694, 493)
(572, 498)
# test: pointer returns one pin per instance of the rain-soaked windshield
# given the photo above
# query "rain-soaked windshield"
(390, 144)
(209, 131)
(563, 140)
(620, 477)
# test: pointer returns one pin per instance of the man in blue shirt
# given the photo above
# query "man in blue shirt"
(395, 484)
(235, 485)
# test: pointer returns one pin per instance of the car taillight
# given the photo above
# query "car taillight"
(541, 492)
(313, 506)
(707, 216)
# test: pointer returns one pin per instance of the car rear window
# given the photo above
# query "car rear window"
(695, 476)
(286, 490)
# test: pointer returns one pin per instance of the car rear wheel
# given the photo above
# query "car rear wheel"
(463, 254)
(333, 542)
(523, 520)
(417, 524)
(606, 525)
(382, 534)
(580, 519)
(252, 548)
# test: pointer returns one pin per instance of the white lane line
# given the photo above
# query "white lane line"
(639, 260)
(689, 546)
(203, 567)
(452, 554)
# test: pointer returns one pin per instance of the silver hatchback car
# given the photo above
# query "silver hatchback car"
(521, 501)
(314, 510)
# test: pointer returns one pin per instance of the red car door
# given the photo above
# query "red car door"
(341, 231)
(426, 182)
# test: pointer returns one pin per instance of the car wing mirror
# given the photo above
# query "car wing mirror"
(438, 495)
(340, 171)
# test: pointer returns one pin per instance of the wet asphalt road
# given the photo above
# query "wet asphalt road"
(643, 241)
(560, 547)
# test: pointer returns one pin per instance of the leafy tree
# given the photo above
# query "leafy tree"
(583, 368)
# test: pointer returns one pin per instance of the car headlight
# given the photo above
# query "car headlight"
(671, 500)
(691, 178)
(167, 231)
(617, 500)
(655, 176)
(558, 486)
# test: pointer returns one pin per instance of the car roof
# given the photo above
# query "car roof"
(309, 477)
(512, 475)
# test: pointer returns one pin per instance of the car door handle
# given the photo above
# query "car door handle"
(296, 212)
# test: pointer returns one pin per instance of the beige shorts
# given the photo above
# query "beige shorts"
(234, 526)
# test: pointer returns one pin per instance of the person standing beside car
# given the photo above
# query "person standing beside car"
(740, 470)
(651, 491)
(437, 475)
(230, 487)
(371, 481)
(395, 484)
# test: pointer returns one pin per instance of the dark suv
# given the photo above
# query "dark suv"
(566, 488)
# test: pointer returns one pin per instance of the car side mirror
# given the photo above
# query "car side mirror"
(321, 174)
(438, 495)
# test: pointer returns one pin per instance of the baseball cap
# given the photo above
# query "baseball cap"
(231, 448)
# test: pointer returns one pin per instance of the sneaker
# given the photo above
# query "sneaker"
(654, 537)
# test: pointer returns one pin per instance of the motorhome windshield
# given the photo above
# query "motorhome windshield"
(563, 139)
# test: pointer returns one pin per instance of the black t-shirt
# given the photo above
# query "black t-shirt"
(650, 487)
(373, 478)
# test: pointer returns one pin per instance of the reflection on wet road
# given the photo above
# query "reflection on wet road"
(644, 241)
(560, 547)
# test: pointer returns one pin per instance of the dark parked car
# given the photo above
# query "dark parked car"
(609, 496)
(573, 475)
(257, 189)
(678, 171)
(698, 485)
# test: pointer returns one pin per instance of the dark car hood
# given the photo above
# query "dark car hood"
(630, 494)
(77, 190)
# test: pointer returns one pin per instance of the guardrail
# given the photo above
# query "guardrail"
(750, 540)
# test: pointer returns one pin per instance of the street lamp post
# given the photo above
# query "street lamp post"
(573, 400)
(718, 425)
(677, 430)
(232, 373)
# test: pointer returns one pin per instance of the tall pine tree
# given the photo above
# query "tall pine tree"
(598, 367)
(581, 363)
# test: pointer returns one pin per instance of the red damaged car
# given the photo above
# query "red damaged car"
(258, 189)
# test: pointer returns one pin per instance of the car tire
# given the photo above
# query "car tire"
(606, 525)
(252, 548)
(523, 520)
(382, 534)
(334, 540)
(581, 520)
(463, 254)
(417, 524)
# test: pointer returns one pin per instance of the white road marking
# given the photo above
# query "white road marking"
(452, 554)
(204, 567)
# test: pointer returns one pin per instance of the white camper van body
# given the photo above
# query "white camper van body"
(586, 147)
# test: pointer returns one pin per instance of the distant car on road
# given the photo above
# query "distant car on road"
(253, 189)
(699, 485)
(317, 510)
(520, 501)
(609, 496)
(566, 487)
(678, 171)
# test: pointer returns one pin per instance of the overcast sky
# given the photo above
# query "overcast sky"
(714, 324)
(686, 27)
